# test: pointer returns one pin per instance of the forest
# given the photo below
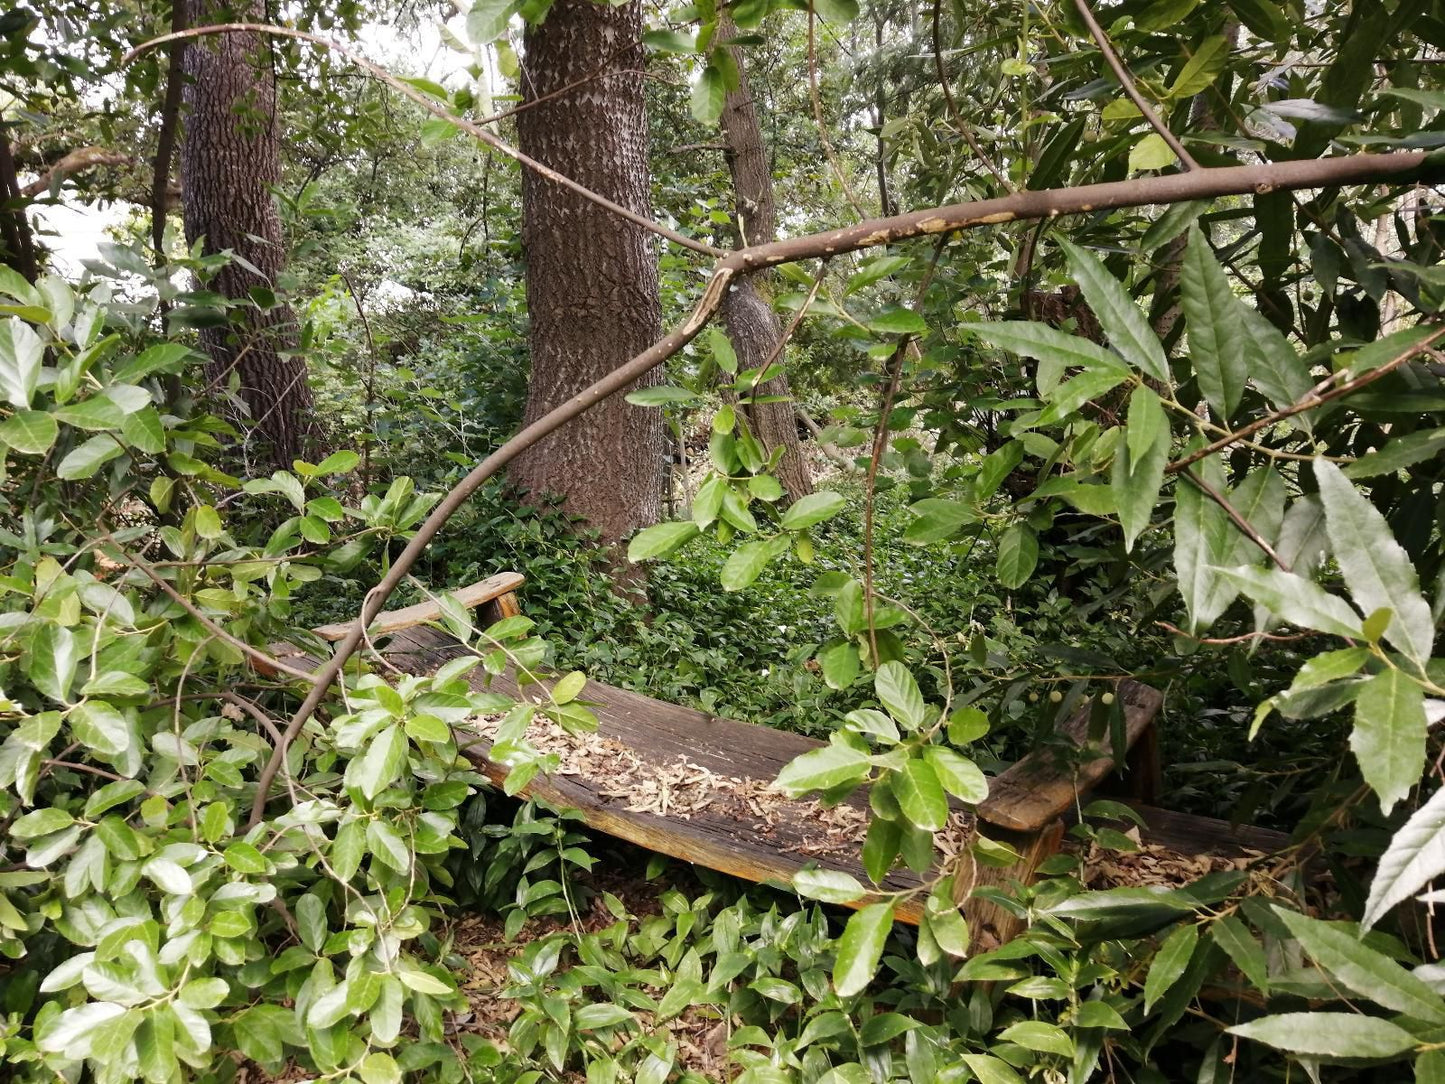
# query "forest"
(757, 541)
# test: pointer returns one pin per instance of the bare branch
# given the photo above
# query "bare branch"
(1245, 527)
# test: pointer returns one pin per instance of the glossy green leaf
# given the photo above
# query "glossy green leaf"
(661, 539)
(1169, 963)
(1299, 601)
(1018, 553)
(1376, 568)
(1216, 335)
(828, 885)
(29, 432)
(920, 795)
(861, 947)
(1328, 1034)
(1389, 735)
(812, 509)
(1122, 320)
(1415, 856)
(823, 769)
(1361, 969)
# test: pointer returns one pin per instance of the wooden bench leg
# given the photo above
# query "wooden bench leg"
(989, 924)
(502, 606)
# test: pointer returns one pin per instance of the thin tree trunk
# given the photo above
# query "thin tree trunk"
(229, 163)
(17, 247)
(592, 285)
(752, 324)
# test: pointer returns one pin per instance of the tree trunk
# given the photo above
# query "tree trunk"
(592, 287)
(17, 248)
(752, 325)
(229, 163)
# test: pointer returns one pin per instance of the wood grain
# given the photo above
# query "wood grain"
(1041, 787)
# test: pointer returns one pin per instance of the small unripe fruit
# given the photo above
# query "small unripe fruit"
(1033, 698)
(1107, 698)
(1056, 697)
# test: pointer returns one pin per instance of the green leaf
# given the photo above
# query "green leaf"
(1204, 538)
(991, 1070)
(898, 692)
(1396, 454)
(1376, 568)
(569, 687)
(1299, 601)
(1415, 856)
(709, 94)
(1018, 553)
(97, 412)
(84, 461)
(21, 355)
(839, 12)
(1151, 152)
(379, 1067)
(1039, 1035)
(661, 539)
(823, 769)
(1274, 367)
(243, 857)
(29, 432)
(100, 727)
(1138, 471)
(41, 822)
(812, 509)
(600, 1015)
(1233, 936)
(898, 321)
(861, 947)
(828, 885)
(967, 725)
(745, 564)
(52, 662)
(1072, 394)
(661, 395)
(1169, 963)
(1328, 1034)
(1216, 335)
(936, 520)
(1057, 349)
(382, 762)
(1360, 968)
(960, 776)
(1122, 320)
(144, 431)
(920, 795)
(1389, 735)
(839, 663)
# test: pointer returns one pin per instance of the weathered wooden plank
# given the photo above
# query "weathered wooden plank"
(748, 846)
(1192, 833)
(1041, 787)
(389, 621)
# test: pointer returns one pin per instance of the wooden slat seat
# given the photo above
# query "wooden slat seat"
(752, 836)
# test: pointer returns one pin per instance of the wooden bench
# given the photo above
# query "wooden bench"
(742, 831)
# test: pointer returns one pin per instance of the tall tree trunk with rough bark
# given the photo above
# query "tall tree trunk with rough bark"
(17, 247)
(752, 324)
(592, 286)
(229, 162)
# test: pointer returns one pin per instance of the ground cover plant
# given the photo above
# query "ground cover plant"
(1147, 387)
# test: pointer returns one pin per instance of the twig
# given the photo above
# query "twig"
(1246, 528)
(1126, 81)
(436, 109)
(880, 442)
(267, 661)
(818, 117)
(1316, 396)
(964, 128)
(1275, 637)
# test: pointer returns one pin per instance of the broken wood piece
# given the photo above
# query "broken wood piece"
(388, 621)
(1041, 787)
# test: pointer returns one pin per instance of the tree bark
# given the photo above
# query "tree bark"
(752, 324)
(17, 247)
(230, 161)
(592, 284)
